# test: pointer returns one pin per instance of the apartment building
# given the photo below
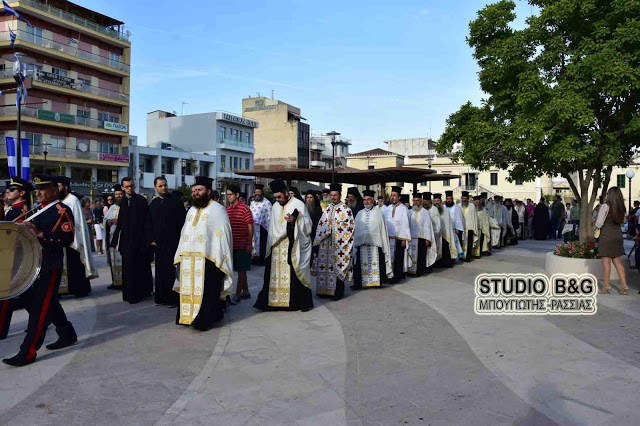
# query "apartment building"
(77, 110)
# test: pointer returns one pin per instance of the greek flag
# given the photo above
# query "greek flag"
(21, 93)
(12, 158)
(13, 36)
(9, 11)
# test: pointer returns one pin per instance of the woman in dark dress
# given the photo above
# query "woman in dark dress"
(610, 245)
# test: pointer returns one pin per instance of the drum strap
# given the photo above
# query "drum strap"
(42, 210)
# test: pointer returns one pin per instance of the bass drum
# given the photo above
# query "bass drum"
(20, 259)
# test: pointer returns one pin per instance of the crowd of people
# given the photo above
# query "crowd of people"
(199, 244)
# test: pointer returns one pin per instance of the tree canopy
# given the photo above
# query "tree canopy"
(563, 93)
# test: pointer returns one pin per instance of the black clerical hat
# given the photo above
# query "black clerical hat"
(404, 198)
(497, 197)
(260, 186)
(335, 187)
(310, 192)
(326, 191)
(417, 195)
(477, 197)
(353, 191)
(426, 196)
(396, 189)
(41, 180)
(369, 193)
(205, 181)
(66, 181)
(117, 188)
(437, 196)
(508, 200)
(465, 194)
(484, 194)
(277, 186)
(448, 193)
(19, 183)
(380, 197)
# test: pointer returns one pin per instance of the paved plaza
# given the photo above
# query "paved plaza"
(414, 353)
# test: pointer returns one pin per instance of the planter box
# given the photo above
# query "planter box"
(554, 264)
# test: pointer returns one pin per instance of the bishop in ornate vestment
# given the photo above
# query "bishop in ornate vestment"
(450, 246)
(334, 236)
(205, 261)
(78, 266)
(261, 212)
(114, 259)
(287, 276)
(372, 255)
(434, 215)
(397, 217)
(422, 239)
(470, 225)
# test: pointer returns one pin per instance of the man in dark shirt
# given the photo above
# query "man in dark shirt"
(557, 209)
(53, 225)
(167, 218)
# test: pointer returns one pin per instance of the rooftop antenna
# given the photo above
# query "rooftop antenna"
(182, 107)
(271, 94)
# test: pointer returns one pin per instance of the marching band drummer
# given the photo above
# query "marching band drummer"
(53, 225)
(17, 193)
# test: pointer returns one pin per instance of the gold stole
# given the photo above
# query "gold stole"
(116, 260)
(191, 280)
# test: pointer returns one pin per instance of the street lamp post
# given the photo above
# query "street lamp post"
(429, 162)
(333, 135)
(45, 152)
(630, 175)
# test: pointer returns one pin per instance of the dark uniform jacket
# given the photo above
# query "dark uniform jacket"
(17, 210)
(56, 224)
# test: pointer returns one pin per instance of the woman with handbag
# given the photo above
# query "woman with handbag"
(610, 245)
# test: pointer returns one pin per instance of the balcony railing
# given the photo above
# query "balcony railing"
(69, 49)
(76, 19)
(61, 152)
(10, 111)
(226, 169)
(236, 143)
(317, 146)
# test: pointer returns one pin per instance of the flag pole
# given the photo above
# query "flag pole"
(19, 139)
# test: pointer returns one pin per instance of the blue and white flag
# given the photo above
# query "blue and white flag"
(12, 158)
(21, 93)
(12, 36)
(9, 11)
(73, 40)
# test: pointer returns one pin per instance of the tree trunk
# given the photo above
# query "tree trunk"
(587, 230)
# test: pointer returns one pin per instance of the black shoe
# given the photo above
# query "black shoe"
(246, 296)
(18, 361)
(62, 343)
(114, 287)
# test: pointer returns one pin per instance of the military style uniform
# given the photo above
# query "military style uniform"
(17, 211)
(55, 221)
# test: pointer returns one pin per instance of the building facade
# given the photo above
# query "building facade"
(77, 109)
(322, 151)
(282, 140)
(227, 139)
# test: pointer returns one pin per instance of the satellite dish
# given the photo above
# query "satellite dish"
(82, 147)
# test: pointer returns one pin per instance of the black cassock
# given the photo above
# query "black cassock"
(541, 221)
(134, 236)
(446, 261)
(167, 218)
(212, 308)
(300, 297)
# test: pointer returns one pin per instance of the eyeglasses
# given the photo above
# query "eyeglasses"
(12, 189)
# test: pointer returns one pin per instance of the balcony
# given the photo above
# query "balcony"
(76, 19)
(10, 111)
(317, 146)
(70, 49)
(318, 164)
(38, 150)
(233, 144)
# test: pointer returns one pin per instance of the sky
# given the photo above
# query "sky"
(371, 70)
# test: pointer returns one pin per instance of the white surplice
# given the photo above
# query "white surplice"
(114, 255)
(421, 228)
(261, 212)
(397, 218)
(370, 234)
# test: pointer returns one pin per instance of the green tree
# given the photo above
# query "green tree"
(563, 94)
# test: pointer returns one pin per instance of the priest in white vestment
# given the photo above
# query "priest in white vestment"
(110, 223)
(205, 260)
(471, 226)
(79, 267)
(500, 214)
(334, 237)
(450, 245)
(422, 239)
(372, 256)
(483, 248)
(457, 222)
(434, 215)
(287, 276)
(397, 218)
(261, 212)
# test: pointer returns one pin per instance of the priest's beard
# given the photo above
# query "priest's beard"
(449, 203)
(311, 207)
(439, 207)
(479, 207)
(352, 204)
(201, 202)
(258, 198)
(118, 201)
(465, 204)
(368, 206)
(62, 194)
(416, 207)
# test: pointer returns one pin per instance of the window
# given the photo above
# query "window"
(58, 71)
(108, 147)
(79, 174)
(30, 68)
(223, 162)
(34, 35)
(222, 130)
(105, 116)
(247, 164)
(446, 182)
(235, 163)
(82, 117)
(204, 169)
(86, 84)
(371, 167)
(107, 175)
(114, 59)
(620, 180)
(167, 167)
(235, 135)
(35, 139)
(494, 178)
(83, 145)
(519, 182)
(60, 143)
(247, 138)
